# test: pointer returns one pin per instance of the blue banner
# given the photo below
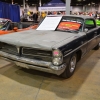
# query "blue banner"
(9, 11)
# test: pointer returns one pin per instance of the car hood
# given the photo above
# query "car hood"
(37, 39)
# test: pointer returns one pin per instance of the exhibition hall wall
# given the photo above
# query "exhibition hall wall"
(87, 9)
(73, 9)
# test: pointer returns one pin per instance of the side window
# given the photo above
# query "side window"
(90, 24)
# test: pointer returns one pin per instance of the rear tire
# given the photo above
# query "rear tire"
(71, 67)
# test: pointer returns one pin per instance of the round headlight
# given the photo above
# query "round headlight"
(57, 57)
(57, 53)
(57, 61)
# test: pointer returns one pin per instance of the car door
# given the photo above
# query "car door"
(91, 34)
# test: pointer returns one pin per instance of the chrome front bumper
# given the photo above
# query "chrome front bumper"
(34, 64)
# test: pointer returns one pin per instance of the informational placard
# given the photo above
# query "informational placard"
(49, 23)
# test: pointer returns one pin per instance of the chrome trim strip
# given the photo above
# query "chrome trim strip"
(67, 51)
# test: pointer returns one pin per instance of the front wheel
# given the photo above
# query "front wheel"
(71, 67)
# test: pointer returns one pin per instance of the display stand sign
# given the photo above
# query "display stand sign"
(49, 23)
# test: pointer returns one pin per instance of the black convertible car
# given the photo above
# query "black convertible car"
(55, 46)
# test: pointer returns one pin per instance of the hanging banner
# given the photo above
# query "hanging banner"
(52, 8)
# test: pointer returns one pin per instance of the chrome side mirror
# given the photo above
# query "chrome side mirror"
(85, 30)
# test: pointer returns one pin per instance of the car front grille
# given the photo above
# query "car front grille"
(30, 53)
(8, 48)
(37, 54)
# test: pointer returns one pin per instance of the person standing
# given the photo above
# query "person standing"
(35, 17)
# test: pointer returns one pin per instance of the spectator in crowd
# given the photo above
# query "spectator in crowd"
(23, 17)
(35, 17)
(49, 13)
(43, 14)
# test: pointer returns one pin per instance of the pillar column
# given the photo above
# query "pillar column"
(99, 8)
(84, 8)
(68, 7)
(24, 4)
(12, 2)
(91, 8)
(39, 3)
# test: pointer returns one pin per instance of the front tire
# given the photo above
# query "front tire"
(71, 67)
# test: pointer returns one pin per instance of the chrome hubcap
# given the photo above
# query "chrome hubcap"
(72, 64)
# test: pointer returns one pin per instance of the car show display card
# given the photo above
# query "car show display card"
(49, 23)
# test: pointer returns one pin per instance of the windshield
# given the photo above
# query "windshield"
(2, 23)
(70, 24)
(59, 23)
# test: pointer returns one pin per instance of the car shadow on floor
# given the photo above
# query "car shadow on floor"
(63, 88)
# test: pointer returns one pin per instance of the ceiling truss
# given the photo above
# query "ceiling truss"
(36, 2)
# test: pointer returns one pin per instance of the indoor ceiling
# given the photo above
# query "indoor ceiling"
(36, 2)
